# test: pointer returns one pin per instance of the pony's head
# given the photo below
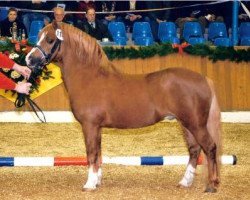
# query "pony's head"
(47, 48)
(64, 42)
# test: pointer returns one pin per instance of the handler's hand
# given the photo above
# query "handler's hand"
(23, 70)
(23, 87)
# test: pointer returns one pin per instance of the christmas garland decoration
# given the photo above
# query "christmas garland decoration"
(140, 52)
(18, 52)
(203, 50)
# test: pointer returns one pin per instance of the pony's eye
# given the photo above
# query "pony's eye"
(49, 40)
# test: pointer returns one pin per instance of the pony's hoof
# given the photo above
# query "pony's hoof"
(89, 188)
(210, 190)
(182, 186)
(86, 189)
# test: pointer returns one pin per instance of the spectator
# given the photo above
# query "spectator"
(6, 83)
(66, 6)
(95, 27)
(157, 16)
(6, 26)
(59, 14)
(82, 7)
(208, 17)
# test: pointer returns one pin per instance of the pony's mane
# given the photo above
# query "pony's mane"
(85, 48)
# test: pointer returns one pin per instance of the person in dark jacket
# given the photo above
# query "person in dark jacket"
(94, 27)
(82, 6)
(6, 25)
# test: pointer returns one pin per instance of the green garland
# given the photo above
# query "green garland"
(203, 50)
(140, 52)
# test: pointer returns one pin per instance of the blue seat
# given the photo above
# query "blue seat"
(244, 29)
(141, 29)
(144, 41)
(196, 40)
(245, 41)
(192, 29)
(3, 13)
(35, 27)
(217, 30)
(225, 42)
(244, 33)
(167, 32)
(117, 29)
(172, 40)
(120, 41)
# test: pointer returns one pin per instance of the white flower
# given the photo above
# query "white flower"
(16, 55)
(13, 56)
(15, 74)
(5, 69)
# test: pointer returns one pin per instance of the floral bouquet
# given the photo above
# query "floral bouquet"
(18, 52)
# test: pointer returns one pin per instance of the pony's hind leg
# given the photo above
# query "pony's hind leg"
(194, 151)
(92, 135)
(209, 147)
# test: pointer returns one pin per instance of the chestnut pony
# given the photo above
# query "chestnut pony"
(101, 96)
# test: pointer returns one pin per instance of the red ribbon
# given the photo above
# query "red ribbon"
(180, 47)
(17, 47)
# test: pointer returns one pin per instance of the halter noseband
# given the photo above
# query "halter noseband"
(47, 57)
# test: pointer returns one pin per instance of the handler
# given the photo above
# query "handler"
(6, 83)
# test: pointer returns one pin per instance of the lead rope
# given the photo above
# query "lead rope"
(21, 98)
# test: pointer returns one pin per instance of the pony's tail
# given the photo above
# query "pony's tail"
(214, 124)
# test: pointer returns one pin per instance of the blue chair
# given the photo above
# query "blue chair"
(225, 42)
(117, 29)
(192, 29)
(167, 32)
(172, 40)
(3, 13)
(120, 41)
(244, 33)
(217, 30)
(244, 29)
(196, 40)
(141, 29)
(144, 41)
(245, 41)
(35, 27)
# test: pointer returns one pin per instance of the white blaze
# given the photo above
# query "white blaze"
(33, 49)
(41, 38)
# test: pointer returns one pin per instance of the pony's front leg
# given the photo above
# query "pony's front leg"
(92, 135)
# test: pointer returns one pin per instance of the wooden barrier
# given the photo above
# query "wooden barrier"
(231, 80)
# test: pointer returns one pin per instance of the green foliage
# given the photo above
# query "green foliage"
(203, 50)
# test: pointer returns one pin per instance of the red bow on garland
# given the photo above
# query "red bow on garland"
(180, 46)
